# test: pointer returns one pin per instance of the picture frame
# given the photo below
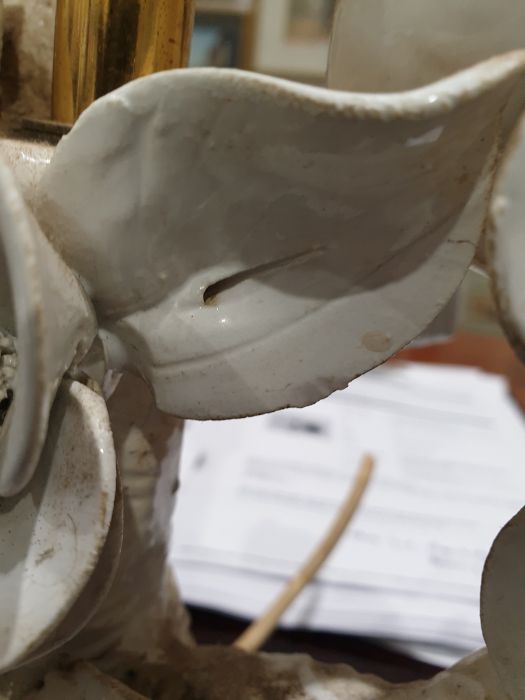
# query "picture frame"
(223, 34)
(292, 38)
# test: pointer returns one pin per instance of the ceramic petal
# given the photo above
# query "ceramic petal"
(506, 240)
(251, 243)
(96, 589)
(43, 307)
(414, 43)
(503, 606)
(53, 533)
(141, 604)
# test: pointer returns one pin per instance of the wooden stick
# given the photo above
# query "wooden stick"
(258, 632)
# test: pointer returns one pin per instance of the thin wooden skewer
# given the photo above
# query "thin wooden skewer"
(258, 632)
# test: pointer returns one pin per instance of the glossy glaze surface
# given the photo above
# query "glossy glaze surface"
(54, 531)
(506, 239)
(265, 242)
(246, 243)
(44, 308)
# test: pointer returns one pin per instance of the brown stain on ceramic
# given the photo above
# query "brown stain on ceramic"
(376, 341)
(45, 555)
(103, 507)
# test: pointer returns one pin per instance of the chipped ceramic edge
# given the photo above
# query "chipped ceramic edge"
(429, 101)
(37, 278)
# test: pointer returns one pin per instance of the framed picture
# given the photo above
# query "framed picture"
(215, 41)
(222, 34)
(292, 37)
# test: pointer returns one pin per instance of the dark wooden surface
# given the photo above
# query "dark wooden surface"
(491, 353)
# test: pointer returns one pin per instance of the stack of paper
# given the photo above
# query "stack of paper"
(258, 494)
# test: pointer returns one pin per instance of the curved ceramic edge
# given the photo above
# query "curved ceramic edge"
(53, 534)
(112, 123)
(27, 161)
(350, 232)
(503, 606)
(506, 240)
(53, 324)
(415, 43)
(434, 99)
(97, 587)
(140, 605)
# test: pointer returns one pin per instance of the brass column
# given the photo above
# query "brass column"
(102, 44)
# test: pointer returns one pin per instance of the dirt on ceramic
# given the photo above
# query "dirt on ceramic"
(55, 530)
(357, 218)
(229, 304)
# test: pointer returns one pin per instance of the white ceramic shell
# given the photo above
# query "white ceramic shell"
(414, 43)
(99, 581)
(52, 534)
(250, 243)
(142, 602)
(503, 606)
(27, 160)
(506, 240)
(44, 307)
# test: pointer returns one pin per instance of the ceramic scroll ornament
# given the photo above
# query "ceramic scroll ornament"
(241, 243)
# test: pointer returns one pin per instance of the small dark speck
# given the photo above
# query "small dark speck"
(200, 461)
(45, 555)
(5, 404)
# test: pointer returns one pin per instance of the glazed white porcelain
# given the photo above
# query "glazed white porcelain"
(415, 42)
(246, 243)
(27, 161)
(142, 603)
(264, 242)
(503, 606)
(53, 532)
(44, 307)
(98, 583)
(506, 240)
